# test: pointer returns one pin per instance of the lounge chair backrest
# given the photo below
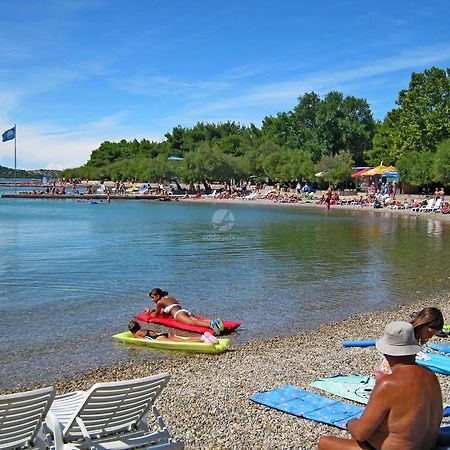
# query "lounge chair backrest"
(115, 406)
(21, 417)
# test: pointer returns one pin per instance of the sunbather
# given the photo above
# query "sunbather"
(405, 408)
(135, 327)
(169, 306)
(426, 323)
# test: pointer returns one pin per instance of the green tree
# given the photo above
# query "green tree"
(324, 126)
(382, 149)
(422, 119)
(336, 169)
(416, 168)
(208, 163)
(288, 164)
(442, 163)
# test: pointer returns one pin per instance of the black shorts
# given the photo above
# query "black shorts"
(154, 335)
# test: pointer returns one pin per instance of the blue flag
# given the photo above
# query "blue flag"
(9, 134)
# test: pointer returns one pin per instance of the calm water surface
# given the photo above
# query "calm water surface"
(73, 273)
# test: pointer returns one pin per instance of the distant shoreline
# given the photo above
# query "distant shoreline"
(238, 201)
(313, 204)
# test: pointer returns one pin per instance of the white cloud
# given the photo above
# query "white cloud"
(47, 146)
(271, 94)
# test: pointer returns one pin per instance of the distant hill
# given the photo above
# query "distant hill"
(6, 172)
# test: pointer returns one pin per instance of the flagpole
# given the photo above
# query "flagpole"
(15, 159)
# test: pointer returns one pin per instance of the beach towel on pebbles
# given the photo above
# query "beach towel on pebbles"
(301, 403)
(352, 387)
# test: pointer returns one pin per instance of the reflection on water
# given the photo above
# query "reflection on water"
(72, 274)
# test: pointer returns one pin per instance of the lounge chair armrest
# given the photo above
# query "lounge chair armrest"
(54, 434)
(86, 436)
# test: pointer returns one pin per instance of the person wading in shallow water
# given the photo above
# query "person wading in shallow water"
(328, 197)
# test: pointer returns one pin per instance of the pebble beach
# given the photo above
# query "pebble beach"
(206, 402)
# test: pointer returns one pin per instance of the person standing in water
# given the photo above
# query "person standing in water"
(328, 197)
(169, 306)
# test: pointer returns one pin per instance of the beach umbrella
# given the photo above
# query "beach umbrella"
(376, 171)
(391, 174)
(360, 172)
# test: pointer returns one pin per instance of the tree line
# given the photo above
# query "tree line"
(6, 172)
(329, 134)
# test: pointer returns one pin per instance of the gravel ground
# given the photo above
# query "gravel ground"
(206, 401)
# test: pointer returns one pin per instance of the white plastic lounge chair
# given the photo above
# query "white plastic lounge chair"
(428, 206)
(111, 416)
(21, 418)
(437, 206)
(252, 196)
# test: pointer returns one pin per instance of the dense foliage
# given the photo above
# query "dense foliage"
(328, 135)
(412, 133)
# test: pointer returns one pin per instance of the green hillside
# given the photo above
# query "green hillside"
(6, 172)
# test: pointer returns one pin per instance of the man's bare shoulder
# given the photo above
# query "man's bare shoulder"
(406, 375)
(402, 374)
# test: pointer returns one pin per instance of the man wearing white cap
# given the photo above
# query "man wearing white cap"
(405, 408)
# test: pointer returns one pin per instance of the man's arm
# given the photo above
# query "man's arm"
(374, 413)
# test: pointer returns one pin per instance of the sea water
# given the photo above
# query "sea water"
(72, 273)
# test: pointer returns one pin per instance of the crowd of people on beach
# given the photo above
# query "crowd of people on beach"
(377, 195)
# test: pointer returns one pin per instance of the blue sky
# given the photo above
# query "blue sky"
(75, 73)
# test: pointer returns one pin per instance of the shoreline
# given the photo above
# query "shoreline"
(206, 401)
(313, 204)
(240, 201)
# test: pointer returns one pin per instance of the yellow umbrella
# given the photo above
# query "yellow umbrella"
(379, 170)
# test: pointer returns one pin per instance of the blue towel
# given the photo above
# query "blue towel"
(436, 363)
(302, 403)
(443, 347)
(367, 343)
